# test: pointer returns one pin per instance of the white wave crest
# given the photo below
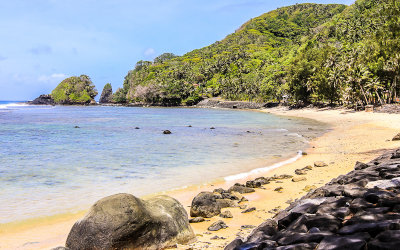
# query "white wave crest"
(265, 169)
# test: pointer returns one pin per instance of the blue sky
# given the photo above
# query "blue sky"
(44, 41)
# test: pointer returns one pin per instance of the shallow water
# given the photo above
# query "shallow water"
(47, 166)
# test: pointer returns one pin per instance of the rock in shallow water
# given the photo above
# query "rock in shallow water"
(125, 221)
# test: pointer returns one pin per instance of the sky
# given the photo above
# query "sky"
(43, 42)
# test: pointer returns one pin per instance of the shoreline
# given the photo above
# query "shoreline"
(340, 157)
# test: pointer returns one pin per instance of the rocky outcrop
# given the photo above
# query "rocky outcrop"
(43, 100)
(123, 221)
(359, 210)
(106, 94)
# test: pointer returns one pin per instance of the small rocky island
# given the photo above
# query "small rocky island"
(107, 94)
(75, 90)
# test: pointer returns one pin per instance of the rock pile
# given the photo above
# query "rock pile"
(359, 210)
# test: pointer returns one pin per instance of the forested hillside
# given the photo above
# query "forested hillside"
(307, 53)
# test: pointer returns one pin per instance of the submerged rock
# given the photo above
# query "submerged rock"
(124, 221)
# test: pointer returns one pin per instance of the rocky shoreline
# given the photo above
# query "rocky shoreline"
(359, 210)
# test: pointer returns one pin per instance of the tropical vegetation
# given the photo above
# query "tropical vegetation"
(305, 53)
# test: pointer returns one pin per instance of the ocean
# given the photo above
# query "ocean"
(59, 159)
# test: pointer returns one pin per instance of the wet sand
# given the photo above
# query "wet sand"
(355, 136)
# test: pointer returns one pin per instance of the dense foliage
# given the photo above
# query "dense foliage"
(302, 53)
(74, 90)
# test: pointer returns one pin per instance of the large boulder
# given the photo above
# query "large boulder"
(205, 205)
(123, 221)
(106, 94)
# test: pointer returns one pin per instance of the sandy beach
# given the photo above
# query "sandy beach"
(354, 136)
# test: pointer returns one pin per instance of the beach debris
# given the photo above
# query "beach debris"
(278, 189)
(226, 214)
(298, 179)
(251, 209)
(167, 132)
(278, 181)
(205, 205)
(240, 188)
(300, 172)
(217, 226)
(308, 167)
(196, 220)
(396, 137)
(118, 222)
(304, 153)
(320, 164)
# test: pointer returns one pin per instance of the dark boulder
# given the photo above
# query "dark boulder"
(124, 221)
(253, 184)
(205, 205)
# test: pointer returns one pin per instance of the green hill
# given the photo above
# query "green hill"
(74, 90)
(306, 52)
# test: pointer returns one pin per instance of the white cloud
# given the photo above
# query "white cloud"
(149, 52)
(52, 77)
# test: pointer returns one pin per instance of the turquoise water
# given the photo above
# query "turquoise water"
(47, 166)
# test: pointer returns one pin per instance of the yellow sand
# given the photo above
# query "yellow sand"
(355, 136)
